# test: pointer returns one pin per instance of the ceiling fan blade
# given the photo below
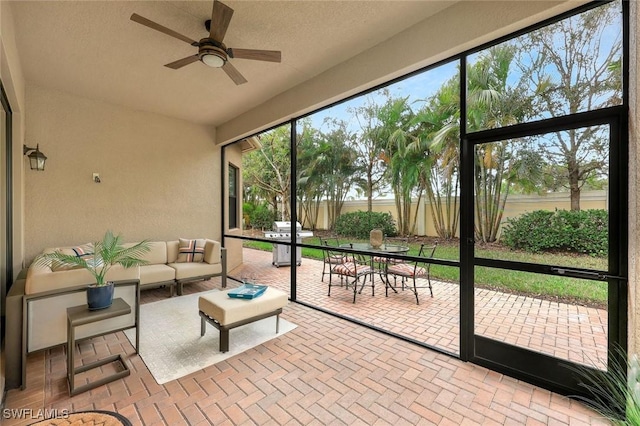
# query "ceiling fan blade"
(220, 18)
(233, 73)
(155, 26)
(182, 62)
(257, 55)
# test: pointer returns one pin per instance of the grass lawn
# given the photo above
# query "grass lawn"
(571, 290)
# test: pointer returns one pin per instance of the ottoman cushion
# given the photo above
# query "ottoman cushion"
(226, 310)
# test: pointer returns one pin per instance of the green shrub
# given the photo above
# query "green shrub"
(585, 231)
(529, 232)
(359, 224)
(582, 231)
(247, 212)
(248, 208)
(262, 217)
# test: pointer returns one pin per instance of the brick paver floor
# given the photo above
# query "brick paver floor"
(326, 371)
(545, 326)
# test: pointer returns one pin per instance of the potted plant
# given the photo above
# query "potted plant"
(101, 257)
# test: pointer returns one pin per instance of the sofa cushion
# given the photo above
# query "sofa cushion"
(212, 252)
(195, 269)
(157, 273)
(190, 250)
(157, 253)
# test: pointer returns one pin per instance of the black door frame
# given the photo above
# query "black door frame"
(533, 367)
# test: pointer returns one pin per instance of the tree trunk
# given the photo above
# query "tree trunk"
(574, 184)
(575, 198)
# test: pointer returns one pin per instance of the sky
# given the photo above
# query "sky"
(417, 87)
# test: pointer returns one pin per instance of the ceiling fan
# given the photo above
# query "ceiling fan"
(211, 50)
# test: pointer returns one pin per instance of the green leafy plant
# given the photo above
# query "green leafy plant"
(614, 394)
(583, 231)
(247, 212)
(262, 217)
(359, 224)
(105, 254)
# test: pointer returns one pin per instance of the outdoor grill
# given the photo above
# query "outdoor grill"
(282, 232)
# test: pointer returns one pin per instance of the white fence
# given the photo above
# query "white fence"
(516, 205)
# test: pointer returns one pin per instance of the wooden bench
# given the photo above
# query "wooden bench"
(226, 313)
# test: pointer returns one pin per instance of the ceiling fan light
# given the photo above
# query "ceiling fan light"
(212, 60)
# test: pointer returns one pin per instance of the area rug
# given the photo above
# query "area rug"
(87, 418)
(170, 341)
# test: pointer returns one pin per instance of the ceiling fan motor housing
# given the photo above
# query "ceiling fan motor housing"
(211, 47)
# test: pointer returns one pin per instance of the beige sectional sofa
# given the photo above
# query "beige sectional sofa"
(163, 268)
(38, 300)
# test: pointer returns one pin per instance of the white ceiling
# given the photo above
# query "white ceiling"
(92, 49)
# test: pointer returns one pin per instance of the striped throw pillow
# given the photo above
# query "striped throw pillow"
(85, 251)
(190, 250)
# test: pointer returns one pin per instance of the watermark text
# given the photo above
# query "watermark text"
(35, 414)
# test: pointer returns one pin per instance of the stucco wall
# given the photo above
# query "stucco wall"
(160, 176)
(515, 206)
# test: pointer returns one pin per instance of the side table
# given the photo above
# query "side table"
(81, 315)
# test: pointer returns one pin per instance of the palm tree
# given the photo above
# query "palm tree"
(310, 179)
(494, 102)
(403, 167)
(334, 166)
(437, 138)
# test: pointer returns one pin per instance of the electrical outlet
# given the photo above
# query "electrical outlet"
(96, 177)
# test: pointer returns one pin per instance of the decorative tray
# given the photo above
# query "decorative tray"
(247, 291)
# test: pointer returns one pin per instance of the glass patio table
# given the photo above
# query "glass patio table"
(384, 248)
(378, 252)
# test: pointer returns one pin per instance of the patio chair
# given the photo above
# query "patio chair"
(329, 260)
(383, 261)
(414, 270)
(351, 267)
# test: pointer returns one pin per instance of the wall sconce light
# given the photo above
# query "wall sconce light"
(36, 158)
